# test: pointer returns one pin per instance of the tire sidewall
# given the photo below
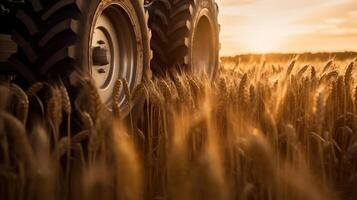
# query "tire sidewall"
(208, 9)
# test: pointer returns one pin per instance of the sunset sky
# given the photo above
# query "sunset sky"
(258, 26)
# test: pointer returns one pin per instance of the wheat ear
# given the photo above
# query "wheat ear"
(23, 104)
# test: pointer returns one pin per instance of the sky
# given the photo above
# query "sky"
(287, 26)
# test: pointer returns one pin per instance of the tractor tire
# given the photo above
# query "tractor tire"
(107, 40)
(185, 34)
(8, 47)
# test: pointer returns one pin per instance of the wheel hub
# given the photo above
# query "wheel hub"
(113, 52)
(103, 51)
(100, 56)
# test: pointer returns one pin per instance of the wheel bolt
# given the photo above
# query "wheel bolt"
(101, 42)
(101, 71)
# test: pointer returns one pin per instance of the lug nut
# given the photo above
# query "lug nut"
(101, 71)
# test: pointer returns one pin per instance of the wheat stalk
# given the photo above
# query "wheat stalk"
(116, 98)
(302, 71)
(165, 90)
(242, 89)
(23, 105)
(290, 68)
(327, 66)
(139, 94)
(348, 73)
(54, 111)
(66, 103)
(95, 100)
(35, 88)
(126, 91)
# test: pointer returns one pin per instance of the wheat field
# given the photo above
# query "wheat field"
(258, 131)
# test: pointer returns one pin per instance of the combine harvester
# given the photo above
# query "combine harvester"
(43, 40)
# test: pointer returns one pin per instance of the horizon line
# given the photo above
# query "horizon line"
(289, 53)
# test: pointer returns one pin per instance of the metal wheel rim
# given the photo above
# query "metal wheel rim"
(113, 30)
(203, 62)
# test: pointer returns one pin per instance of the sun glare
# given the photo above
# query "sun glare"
(287, 26)
(264, 36)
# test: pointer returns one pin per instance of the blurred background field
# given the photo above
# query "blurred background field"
(286, 57)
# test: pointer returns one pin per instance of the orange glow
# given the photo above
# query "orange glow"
(261, 38)
(294, 26)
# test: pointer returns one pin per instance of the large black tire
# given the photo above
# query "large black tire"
(53, 37)
(185, 35)
(8, 47)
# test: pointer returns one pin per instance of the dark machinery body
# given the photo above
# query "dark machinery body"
(7, 46)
